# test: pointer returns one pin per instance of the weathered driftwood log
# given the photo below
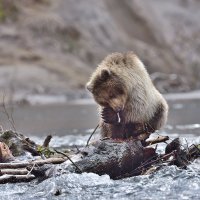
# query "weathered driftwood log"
(130, 158)
(40, 162)
(14, 171)
(25, 171)
(16, 178)
(113, 158)
(116, 158)
(157, 140)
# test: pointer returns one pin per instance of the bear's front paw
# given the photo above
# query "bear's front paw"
(109, 116)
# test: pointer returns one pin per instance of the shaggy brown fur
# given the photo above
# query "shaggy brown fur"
(122, 87)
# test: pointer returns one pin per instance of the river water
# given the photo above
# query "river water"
(71, 124)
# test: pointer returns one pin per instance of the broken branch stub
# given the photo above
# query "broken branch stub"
(5, 153)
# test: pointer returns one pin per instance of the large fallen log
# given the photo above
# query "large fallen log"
(128, 158)
(114, 158)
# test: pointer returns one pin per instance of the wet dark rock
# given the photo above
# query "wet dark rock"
(175, 145)
(57, 192)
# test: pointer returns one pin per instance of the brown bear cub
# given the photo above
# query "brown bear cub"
(130, 105)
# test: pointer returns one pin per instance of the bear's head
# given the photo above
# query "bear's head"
(108, 89)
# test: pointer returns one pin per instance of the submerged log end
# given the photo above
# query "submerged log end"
(5, 153)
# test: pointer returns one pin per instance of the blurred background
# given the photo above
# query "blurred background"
(49, 48)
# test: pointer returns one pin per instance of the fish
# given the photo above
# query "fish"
(119, 119)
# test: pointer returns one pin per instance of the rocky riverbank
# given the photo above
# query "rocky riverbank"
(51, 47)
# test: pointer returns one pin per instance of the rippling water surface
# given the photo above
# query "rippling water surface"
(168, 183)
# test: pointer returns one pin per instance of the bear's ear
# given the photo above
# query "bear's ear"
(89, 87)
(105, 74)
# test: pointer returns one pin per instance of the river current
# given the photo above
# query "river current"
(169, 182)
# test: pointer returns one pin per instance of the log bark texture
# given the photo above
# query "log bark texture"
(114, 158)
